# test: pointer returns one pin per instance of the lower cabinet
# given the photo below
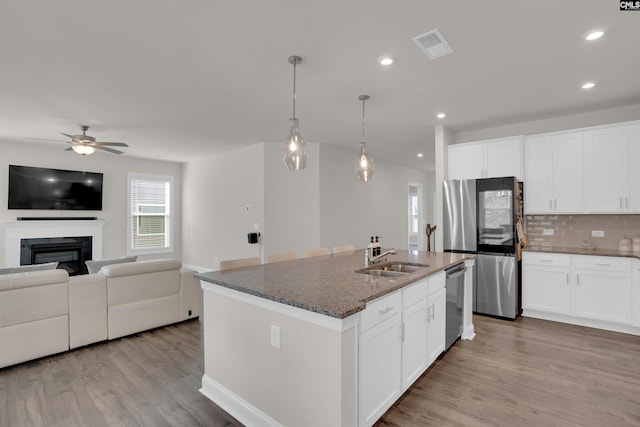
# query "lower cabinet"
(401, 334)
(588, 290)
(436, 317)
(547, 279)
(379, 357)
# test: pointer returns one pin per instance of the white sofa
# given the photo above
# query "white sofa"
(47, 312)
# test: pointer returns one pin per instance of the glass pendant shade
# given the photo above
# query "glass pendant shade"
(364, 164)
(294, 151)
(83, 149)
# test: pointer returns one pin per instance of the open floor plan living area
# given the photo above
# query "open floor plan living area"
(319, 213)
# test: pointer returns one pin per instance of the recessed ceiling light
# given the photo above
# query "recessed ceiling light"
(420, 154)
(588, 85)
(385, 60)
(441, 115)
(594, 35)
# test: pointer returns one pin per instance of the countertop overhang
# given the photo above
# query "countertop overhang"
(328, 285)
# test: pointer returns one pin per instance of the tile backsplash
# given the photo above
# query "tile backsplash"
(574, 231)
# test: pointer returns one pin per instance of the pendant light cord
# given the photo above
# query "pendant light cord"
(294, 88)
(363, 119)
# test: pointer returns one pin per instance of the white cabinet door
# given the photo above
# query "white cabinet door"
(603, 295)
(635, 294)
(414, 343)
(546, 288)
(437, 304)
(379, 370)
(568, 173)
(466, 161)
(631, 136)
(604, 172)
(504, 158)
(538, 174)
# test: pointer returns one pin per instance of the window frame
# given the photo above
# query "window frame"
(131, 176)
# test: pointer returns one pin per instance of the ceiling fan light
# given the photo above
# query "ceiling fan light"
(294, 151)
(83, 149)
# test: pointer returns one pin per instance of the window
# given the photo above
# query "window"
(150, 221)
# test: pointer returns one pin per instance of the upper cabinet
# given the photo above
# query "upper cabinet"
(612, 155)
(486, 159)
(553, 179)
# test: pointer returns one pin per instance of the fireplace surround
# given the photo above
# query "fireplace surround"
(50, 228)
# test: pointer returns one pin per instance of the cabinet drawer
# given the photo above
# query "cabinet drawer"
(549, 259)
(380, 310)
(606, 263)
(414, 293)
(436, 282)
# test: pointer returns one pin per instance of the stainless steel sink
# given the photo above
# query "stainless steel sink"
(401, 267)
(382, 273)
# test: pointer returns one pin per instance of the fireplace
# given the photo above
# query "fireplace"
(48, 228)
(70, 252)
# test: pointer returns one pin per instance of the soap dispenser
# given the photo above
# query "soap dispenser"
(377, 248)
(371, 248)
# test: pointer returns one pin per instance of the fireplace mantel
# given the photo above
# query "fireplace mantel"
(17, 230)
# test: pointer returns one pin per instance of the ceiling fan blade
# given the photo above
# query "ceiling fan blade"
(110, 150)
(50, 140)
(66, 134)
(112, 144)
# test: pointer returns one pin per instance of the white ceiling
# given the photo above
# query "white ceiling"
(181, 79)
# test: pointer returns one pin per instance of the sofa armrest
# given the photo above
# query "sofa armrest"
(190, 295)
(87, 309)
(140, 267)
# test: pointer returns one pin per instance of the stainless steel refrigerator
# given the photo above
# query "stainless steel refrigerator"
(480, 218)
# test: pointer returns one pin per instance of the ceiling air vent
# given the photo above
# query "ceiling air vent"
(433, 44)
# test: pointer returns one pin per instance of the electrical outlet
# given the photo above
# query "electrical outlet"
(275, 336)
(547, 232)
(597, 233)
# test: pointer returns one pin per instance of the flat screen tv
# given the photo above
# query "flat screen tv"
(42, 188)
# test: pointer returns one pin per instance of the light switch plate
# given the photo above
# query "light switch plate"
(275, 336)
(597, 233)
(547, 232)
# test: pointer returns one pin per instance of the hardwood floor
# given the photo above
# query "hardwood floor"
(528, 373)
(524, 373)
(147, 379)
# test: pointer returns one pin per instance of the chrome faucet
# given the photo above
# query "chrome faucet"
(368, 259)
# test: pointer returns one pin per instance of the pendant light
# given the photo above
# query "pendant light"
(294, 151)
(364, 162)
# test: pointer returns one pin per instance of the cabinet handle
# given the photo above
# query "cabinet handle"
(386, 310)
(577, 279)
(428, 318)
(603, 265)
(402, 332)
(567, 278)
(555, 203)
(626, 202)
(550, 203)
(621, 202)
(546, 260)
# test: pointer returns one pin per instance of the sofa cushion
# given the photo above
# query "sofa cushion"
(141, 267)
(95, 266)
(31, 267)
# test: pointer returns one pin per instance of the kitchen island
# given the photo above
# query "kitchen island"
(284, 342)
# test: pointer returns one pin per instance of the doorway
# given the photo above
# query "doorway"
(415, 217)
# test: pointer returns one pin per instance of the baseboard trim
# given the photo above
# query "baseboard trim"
(589, 323)
(239, 408)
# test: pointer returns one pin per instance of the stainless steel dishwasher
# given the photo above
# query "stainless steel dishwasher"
(455, 303)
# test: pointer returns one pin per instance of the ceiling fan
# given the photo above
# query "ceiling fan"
(85, 144)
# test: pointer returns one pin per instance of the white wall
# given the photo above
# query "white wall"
(114, 202)
(216, 191)
(292, 202)
(351, 211)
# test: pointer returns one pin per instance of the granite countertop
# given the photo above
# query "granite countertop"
(328, 285)
(582, 251)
